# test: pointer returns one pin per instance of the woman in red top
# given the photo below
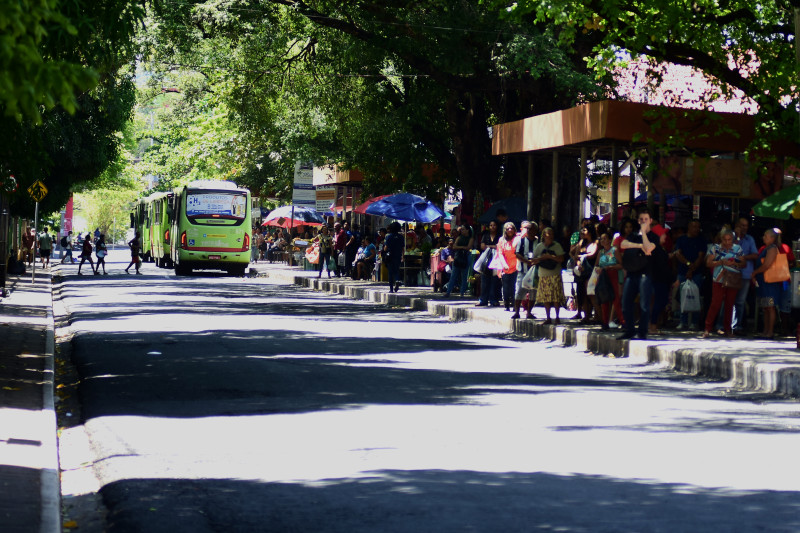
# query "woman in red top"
(507, 246)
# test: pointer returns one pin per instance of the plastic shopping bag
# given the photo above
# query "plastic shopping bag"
(498, 263)
(690, 297)
(312, 254)
(529, 281)
(481, 263)
(591, 285)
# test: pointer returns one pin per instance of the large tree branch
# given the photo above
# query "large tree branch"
(419, 62)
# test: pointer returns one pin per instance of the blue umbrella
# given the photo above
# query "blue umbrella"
(515, 208)
(406, 207)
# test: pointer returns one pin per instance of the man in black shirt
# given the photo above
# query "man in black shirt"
(637, 260)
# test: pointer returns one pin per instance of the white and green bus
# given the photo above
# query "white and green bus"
(204, 225)
(210, 227)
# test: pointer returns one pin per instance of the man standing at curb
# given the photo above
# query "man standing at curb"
(637, 250)
(339, 241)
(750, 254)
(690, 251)
(393, 251)
(525, 246)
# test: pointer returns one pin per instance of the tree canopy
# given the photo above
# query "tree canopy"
(392, 88)
(72, 93)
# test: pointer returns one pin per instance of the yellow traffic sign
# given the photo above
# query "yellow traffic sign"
(37, 190)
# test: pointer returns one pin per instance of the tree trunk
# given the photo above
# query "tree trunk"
(467, 119)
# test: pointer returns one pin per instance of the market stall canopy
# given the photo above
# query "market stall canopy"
(406, 207)
(288, 216)
(784, 204)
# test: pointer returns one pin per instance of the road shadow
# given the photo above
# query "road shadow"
(20, 509)
(257, 372)
(441, 501)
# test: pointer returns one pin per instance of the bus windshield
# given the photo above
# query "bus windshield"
(216, 205)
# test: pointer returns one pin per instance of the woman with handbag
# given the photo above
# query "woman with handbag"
(610, 267)
(490, 284)
(584, 254)
(726, 263)
(769, 276)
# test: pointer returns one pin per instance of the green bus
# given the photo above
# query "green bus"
(210, 227)
(140, 221)
(160, 215)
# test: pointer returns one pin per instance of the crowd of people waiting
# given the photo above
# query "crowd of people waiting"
(641, 276)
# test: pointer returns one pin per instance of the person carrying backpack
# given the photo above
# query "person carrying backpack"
(66, 244)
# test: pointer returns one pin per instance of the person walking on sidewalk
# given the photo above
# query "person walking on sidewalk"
(66, 243)
(28, 244)
(86, 253)
(45, 247)
(637, 261)
(726, 257)
(101, 250)
(134, 245)
(393, 252)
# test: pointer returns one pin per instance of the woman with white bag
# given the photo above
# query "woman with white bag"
(490, 283)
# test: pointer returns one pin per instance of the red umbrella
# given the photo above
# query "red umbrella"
(282, 217)
(362, 208)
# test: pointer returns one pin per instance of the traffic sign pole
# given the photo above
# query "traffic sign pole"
(35, 240)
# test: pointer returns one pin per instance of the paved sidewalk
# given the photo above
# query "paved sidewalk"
(771, 367)
(29, 483)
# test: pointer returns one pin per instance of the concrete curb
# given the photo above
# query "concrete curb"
(771, 367)
(50, 479)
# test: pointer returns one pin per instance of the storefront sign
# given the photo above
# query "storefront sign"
(326, 195)
(303, 192)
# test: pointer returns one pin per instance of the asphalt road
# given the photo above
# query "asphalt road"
(215, 404)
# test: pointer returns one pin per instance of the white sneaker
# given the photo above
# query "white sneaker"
(613, 324)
